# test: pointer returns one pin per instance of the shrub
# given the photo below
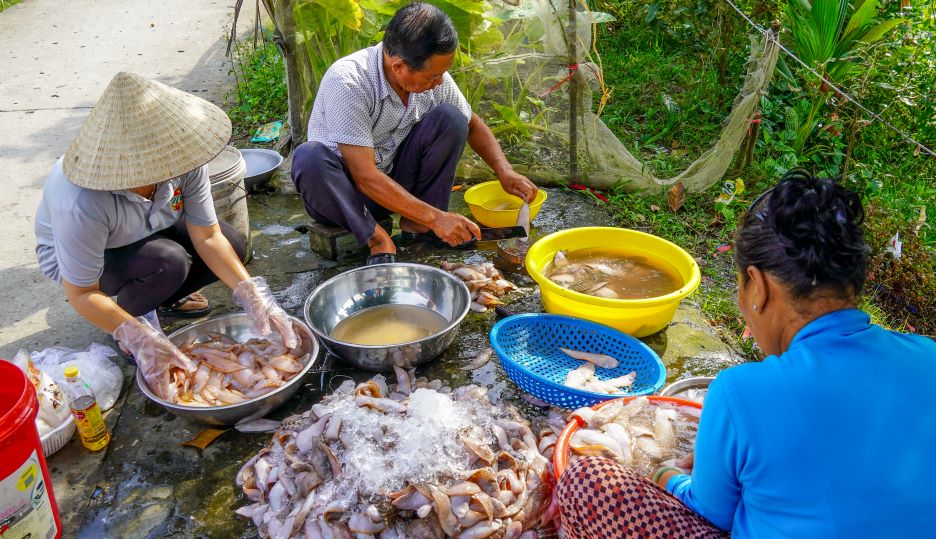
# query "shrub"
(904, 288)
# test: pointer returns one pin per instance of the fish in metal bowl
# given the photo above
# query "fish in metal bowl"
(239, 375)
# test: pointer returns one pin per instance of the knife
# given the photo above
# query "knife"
(495, 234)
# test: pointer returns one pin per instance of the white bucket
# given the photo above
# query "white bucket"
(226, 172)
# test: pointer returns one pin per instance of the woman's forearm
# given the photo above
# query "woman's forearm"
(218, 254)
(96, 307)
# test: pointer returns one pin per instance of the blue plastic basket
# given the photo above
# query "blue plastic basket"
(528, 348)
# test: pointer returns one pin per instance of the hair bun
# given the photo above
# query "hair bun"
(819, 226)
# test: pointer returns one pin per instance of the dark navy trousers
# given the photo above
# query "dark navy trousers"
(424, 165)
(160, 269)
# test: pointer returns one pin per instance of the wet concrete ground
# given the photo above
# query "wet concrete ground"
(147, 485)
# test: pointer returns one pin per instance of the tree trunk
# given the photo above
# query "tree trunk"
(285, 38)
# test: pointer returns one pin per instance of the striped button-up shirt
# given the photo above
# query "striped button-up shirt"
(356, 106)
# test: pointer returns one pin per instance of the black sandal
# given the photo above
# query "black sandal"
(380, 258)
(175, 310)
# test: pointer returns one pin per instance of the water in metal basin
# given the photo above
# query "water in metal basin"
(389, 324)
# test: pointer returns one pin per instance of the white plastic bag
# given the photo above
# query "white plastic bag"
(94, 367)
(53, 408)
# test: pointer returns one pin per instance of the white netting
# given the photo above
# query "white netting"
(548, 55)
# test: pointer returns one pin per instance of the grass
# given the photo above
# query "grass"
(667, 105)
(7, 3)
(259, 95)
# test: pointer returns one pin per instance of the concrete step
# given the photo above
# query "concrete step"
(336, 243)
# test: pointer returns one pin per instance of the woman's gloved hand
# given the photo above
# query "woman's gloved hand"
(255, 297)
(155, 356)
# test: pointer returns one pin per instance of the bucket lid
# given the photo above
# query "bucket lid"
(228, 159)
(18, 404)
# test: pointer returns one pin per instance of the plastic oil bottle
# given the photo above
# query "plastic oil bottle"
(84, 408)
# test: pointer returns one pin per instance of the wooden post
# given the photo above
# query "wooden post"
(573, 92)
(284, 36)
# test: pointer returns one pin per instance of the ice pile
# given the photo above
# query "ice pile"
(414, 459)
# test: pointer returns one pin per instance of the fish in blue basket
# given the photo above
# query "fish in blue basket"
(601, 360)
(584, 378)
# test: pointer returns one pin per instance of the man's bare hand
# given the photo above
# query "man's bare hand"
(518, 185)
(455, 229)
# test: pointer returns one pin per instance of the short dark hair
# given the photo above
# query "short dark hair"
(806, 232)
(419, 31)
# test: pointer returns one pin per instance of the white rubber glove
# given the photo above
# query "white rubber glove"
(258, 302)
(156, 357)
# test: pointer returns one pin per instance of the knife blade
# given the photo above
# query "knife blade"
(495, 234)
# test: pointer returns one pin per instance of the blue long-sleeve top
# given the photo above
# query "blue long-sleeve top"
(835, 437)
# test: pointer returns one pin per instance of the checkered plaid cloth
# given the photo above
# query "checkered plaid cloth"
(599, 498)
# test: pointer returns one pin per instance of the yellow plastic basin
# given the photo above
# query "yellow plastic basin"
(637, 317)
(484, 198)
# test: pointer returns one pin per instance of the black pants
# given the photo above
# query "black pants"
(160, 269)
(424, 165)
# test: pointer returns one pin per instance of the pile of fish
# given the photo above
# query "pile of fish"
(413, 460)
(224, 371)
(640, 433)
(484, 281)
(588, 278)
(584, 377)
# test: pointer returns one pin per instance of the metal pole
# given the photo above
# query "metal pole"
(573, 92)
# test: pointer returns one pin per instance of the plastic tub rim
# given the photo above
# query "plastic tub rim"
(560, 451)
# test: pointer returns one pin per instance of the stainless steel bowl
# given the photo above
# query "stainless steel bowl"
(238, 327)
(388, 284)
(679, 387)
(261, 164)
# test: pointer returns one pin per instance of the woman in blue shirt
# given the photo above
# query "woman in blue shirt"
(828, 436)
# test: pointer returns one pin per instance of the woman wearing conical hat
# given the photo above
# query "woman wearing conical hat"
(127, 223)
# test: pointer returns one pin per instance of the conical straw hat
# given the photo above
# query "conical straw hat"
(143, 132)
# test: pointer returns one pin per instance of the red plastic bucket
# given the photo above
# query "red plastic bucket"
(27, 505)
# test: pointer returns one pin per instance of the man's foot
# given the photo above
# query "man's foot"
(191, 306)
(381, 243)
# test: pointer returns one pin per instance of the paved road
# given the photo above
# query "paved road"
(55, 60)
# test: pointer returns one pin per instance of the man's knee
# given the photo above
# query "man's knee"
(312, 159)
(451, 119)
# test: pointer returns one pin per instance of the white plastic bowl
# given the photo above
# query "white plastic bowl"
(58, 437)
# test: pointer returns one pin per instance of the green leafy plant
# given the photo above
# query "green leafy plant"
(906, 286)
(259, 93)
(831, 36)
(7, 3)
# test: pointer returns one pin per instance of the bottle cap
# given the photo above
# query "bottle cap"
(71, 372)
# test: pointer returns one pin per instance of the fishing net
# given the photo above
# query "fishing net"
(561, 137)
(528, 69)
